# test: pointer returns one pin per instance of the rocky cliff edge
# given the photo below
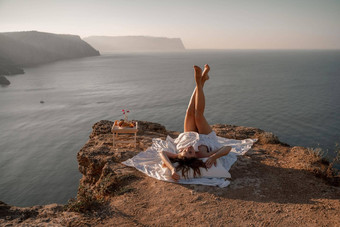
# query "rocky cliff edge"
(274, 184)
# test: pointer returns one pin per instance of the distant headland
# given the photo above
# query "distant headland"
(30, 48)
(134, 43)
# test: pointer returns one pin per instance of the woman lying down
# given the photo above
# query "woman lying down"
(179, 160)
(198, 139)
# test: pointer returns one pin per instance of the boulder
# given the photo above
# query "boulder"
(4, 81)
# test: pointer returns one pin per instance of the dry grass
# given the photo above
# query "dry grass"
(323, 168)
(85, 202)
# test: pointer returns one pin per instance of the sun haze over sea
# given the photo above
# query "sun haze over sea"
(274, 66)
(72, 70)
(213, 24)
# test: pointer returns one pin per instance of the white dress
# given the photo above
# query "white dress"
(195, 139)
(150, 162)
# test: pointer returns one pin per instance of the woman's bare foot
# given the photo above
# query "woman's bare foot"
(205, 75)
(198, 75)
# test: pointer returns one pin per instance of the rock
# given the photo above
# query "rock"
(101, 127)
(268, 138)
(150, 127)
(97, 160)
(4, 81)
(241, 132)
(270, 173)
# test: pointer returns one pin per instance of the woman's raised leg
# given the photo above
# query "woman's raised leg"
(201, 123)
(189, 120)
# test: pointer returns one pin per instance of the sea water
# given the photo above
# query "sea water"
(294, 94)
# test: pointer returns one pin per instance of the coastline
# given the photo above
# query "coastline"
(273, 184)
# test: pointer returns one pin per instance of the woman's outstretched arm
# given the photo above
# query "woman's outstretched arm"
(217, 154)
(165, 158)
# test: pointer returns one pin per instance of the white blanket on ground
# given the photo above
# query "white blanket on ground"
(150, 162)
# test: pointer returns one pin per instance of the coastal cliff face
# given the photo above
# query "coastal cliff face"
(273, 184)
(7, 67)
(22, 49)
(134, 43)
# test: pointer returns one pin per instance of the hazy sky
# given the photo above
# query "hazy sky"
(215, 24)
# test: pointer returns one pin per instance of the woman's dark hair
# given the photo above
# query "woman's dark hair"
(185, 164)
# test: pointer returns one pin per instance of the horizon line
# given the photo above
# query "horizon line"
(220, 49)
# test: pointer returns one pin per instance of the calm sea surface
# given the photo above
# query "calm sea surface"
(294, 94)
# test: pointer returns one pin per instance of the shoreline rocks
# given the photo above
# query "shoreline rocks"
(4, 81)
